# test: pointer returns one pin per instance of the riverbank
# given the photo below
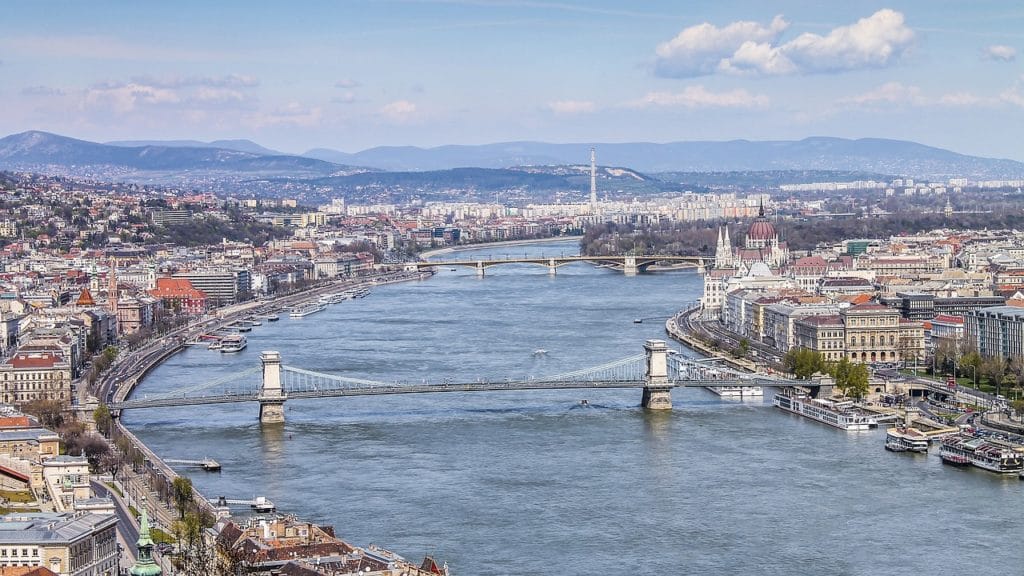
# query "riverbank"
(677, 328)
(504, 243)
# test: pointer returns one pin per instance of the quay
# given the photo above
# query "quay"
(207, 464)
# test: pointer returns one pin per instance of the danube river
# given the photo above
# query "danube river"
(536, 483)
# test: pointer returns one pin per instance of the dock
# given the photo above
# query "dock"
(259, 504)
(207, 464)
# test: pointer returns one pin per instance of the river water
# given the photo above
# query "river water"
(536, 483)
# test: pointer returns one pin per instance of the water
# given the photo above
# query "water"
(534, 482)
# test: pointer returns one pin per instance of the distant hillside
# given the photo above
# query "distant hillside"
(31, 150)
(834, 154)
(237, 145)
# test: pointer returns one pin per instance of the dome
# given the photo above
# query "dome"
(761, 229)
(759, 269)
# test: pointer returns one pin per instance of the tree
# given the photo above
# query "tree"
(101, 416)
(841, 374)
(95, 449)
(803, 363)
(49, 412)
(971, 360)
(1018, 407)
(743, 349)
(857, 382)
(182, 488)
(945, 354)
(993, 368)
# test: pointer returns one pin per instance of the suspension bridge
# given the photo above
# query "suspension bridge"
(656, 372)
(630, 264)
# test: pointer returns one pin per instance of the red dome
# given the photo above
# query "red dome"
(761, 229)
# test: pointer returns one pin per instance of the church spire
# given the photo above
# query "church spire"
(760, 210)
(144, 563)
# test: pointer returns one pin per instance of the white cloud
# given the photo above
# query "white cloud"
(228, 81)
(751, 48)
(398, 111)
(571, 106)
(346, 97)
(291, 114)
(698, 50)
(888, 93)
(699, 97)
(42, 91)
(1012, 97)
(963, 99)
(1000, 52)
(346, 83)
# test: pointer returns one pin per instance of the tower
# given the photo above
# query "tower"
(723, 250)
(112, 288)
(144, 564)
(593, 181)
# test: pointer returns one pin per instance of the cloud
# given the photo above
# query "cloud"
(42, 91)
(571, 106)
(398, 111)
(999, 52)
(346, 83)
(291, 114)
(346, 97)
(888, 93)
(229, 81)
(693, 97)
(753, 49)
(698, 50)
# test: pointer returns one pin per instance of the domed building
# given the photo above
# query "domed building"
(762, 243)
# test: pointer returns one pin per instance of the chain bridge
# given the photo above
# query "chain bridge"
(656, 372)
(630, 264)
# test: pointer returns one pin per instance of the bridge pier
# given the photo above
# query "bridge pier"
(272, 396)
(629, 267)
(480, 269)
(657, 389)
(552, 267)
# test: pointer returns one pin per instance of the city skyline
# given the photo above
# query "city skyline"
(360, 74)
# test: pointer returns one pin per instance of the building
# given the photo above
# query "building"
(28, 376)
(221, 286)
(863, 333)
(996, 331)
(69, 544)
(179, 295)
(67, 481)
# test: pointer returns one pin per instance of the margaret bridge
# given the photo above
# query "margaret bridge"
(630, 264)
(656, 372)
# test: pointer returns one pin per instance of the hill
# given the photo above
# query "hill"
(832, 154)
(240, 145)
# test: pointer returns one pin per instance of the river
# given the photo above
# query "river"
(536, 483)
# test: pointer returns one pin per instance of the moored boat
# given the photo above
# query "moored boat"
(235, 343)
(903, 439)
(306, 310)
(839, 414)
(985, 453)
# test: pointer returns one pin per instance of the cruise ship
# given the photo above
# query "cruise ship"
(987, 454)
(336, 298)
(233, 343)
(306, 310)
(904, 439)
(737, 391)
(834, 413)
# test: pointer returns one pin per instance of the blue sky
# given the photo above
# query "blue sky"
(354, 74)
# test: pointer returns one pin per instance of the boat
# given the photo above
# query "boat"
(360, 292)
(736, 391)
(540, 352)
(306, 310)
(215, 345)
(242, 327)
(255, 322)
(904, 439)
(839, 414)
(985, 453)
(272, 318)
(235, 343)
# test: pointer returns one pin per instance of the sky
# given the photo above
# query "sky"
(354, 74)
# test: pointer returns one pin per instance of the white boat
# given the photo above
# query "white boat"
(273, 318)
(901, 439)
(235, 343)
(306, 310)
(838, 414)
(737, 391)
(540, 352)
(988, 454)
(215, 345)
(255, 322)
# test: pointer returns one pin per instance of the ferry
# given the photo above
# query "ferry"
(235, 343)
(306, 310)
(992, 455)
(737, 391)
(255, 322)
(834, 413)
(242, 326)
(903, 439)
(215, 345)
(272, 318)
(360, 292)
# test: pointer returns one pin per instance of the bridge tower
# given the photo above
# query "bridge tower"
(629, 265)
(480, 268)
(272, 395)
(552, 267)
(657, 389)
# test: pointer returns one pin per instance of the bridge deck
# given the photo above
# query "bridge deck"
(436, 388)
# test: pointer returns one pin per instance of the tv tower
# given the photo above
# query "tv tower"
(593, 181)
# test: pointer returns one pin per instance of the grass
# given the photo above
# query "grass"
(161, 537)
(134, 511)
(114, 487)
(6, 510)
(17, 496)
